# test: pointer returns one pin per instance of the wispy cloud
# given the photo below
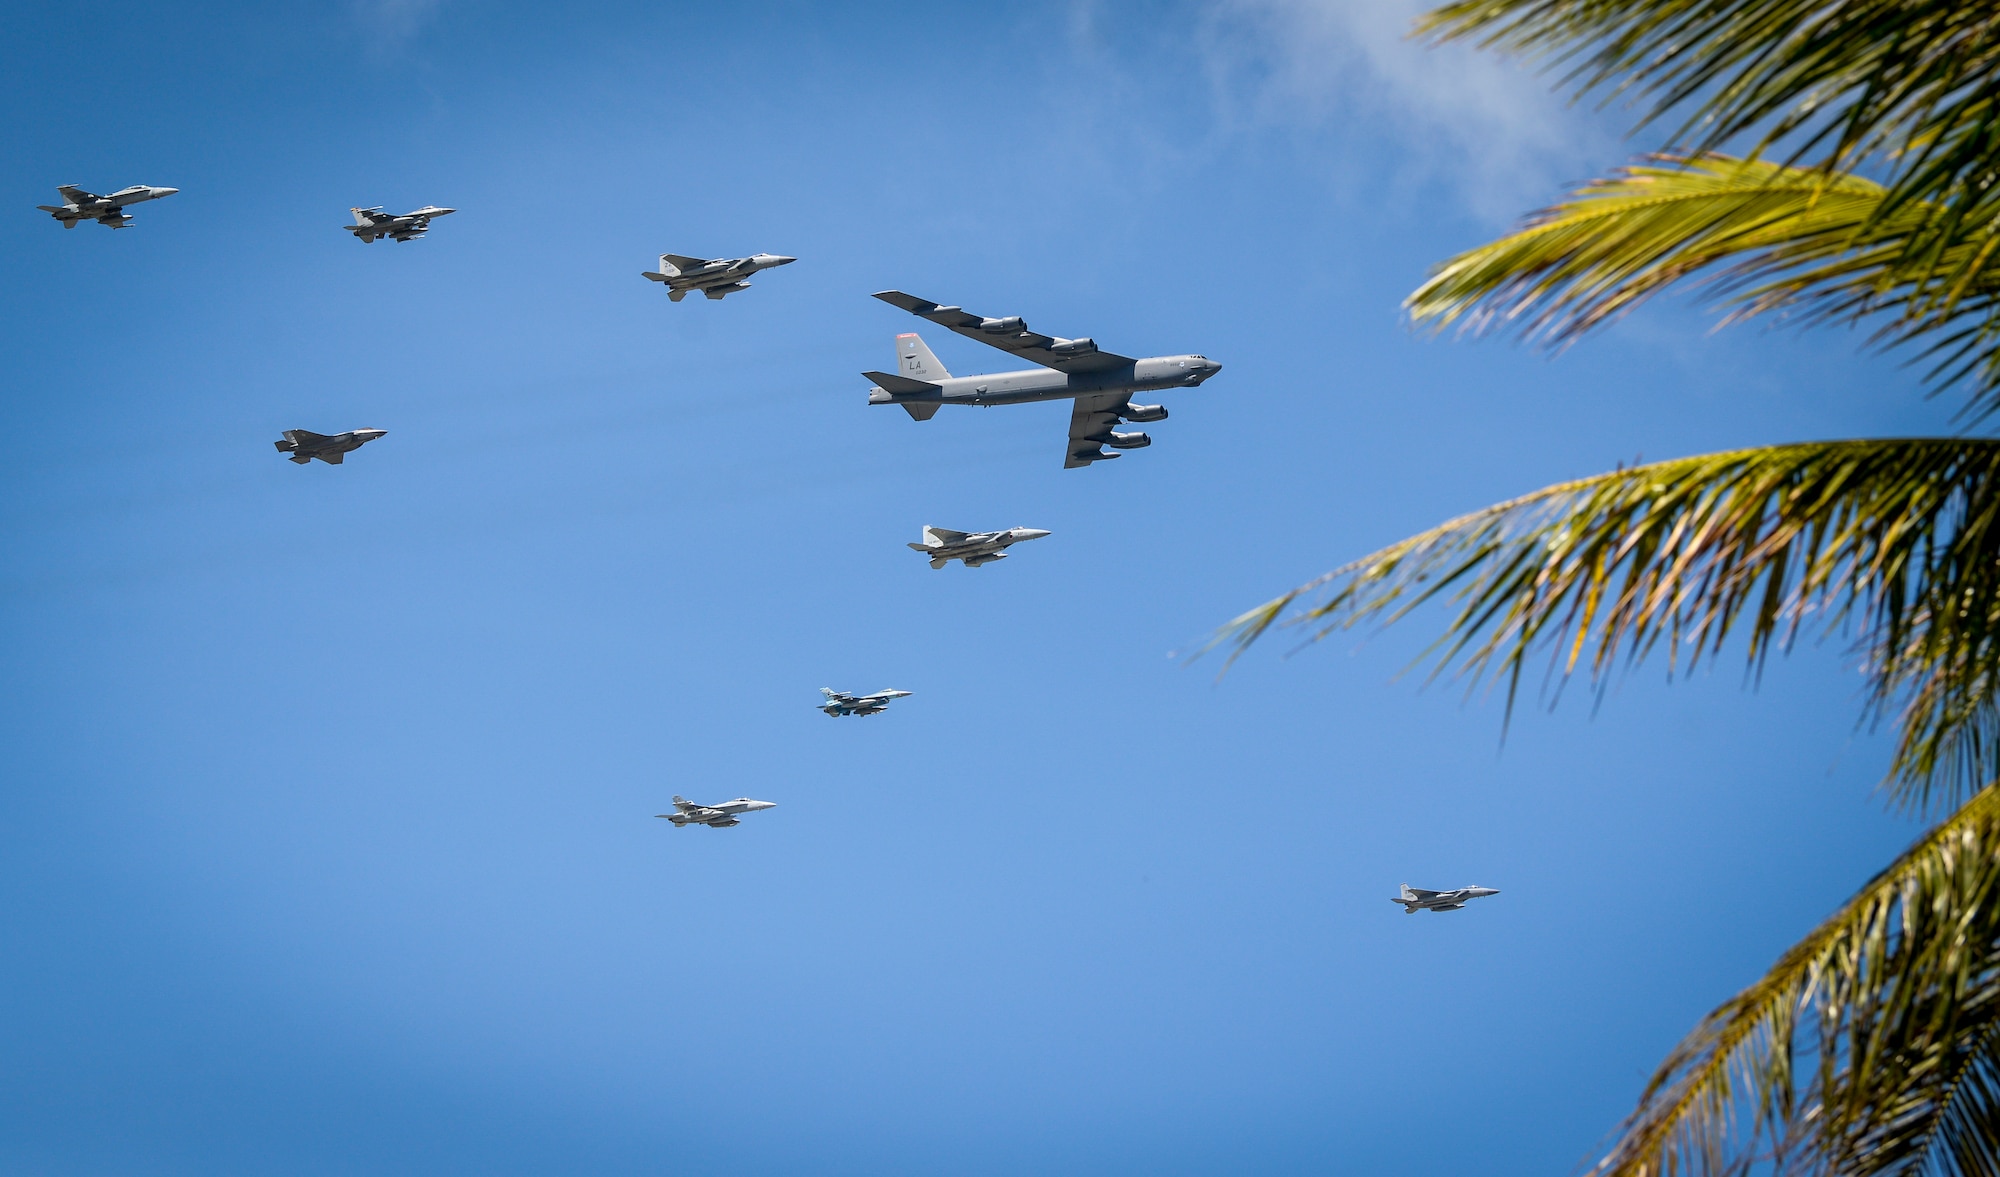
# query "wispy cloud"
(389, 24)
(1491, 126)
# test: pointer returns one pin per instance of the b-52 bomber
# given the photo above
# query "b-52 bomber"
(304, 445)
(1415, 899)
(717, 278)
(838, 703)
(371, 223)
(972, 548)
(79, 205)
(719, 815)
(1100, 382)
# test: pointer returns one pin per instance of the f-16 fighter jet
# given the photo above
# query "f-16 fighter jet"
(971, 548)
(304, 445)
(79, 205)
(1415, 899)
(723, 814)
(1100, 382)
(838, 704)
(718, 278)
(370, 223)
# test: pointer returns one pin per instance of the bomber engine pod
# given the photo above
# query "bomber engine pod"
(1143, 414)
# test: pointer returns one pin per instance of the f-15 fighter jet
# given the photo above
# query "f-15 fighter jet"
(719, 815)
(971, 548)
(838, 704)
(370, 223)
(1415, 899)
(1100, 382)
(716, 278)
(304, 445)
(79, 205)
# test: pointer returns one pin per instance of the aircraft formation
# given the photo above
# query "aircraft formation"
(1099, 384)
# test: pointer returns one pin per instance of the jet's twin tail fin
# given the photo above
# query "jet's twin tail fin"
(914, 360)
(671, 264)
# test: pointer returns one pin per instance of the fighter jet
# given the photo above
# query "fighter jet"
(1100, 382)
(971, 548)
(304, 445)
(838, 704)
(717, 279)
(370, 223)
(79, 205)
(719, 815)
(1415, 899)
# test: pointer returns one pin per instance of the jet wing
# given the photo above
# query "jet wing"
(1011, 336)
(1089, 422)
(76, 195)
(1420, 893)
(332, 459)
(684, 263)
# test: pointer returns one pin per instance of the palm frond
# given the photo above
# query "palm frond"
(1895, 543)
(1914, 83)
(1872, 1047)
(1774, 238)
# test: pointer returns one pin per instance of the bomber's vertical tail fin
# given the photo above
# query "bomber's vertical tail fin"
(915, 361)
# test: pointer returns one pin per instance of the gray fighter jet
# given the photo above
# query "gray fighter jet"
(79, 205)
(1415, 899)
(716, 278)
(838, 704)
(971, 548)
(1100, 382)
(304, 445)
(370, 223)
(719, 815)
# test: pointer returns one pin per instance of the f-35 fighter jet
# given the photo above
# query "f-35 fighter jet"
(723, 814)
(838, 704)
(1415, 899)
(304, 445)
(1100, 382)
(79, 205)
(716, 278)
(370, 223)
(971, 548)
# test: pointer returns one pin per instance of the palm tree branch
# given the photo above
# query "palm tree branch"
(1894, 543)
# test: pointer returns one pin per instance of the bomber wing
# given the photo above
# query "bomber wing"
(1090, 425)
(1011, 335)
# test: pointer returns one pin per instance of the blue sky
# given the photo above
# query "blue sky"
(326, 835)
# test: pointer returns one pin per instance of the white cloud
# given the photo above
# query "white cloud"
(1491, 126)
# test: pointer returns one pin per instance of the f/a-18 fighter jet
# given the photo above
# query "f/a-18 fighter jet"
(971, 548)
(1415, 899)
(1100, 382)
(304, 445)
(838, 704)
(716, 278)
(79, 205)
(718, 815)
(370, 223)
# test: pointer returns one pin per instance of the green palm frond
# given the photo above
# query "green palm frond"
(1894, 542)
(1776, 238)
(1910, 84)
(1872, 1047)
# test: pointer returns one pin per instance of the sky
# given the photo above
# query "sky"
(327, 842)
